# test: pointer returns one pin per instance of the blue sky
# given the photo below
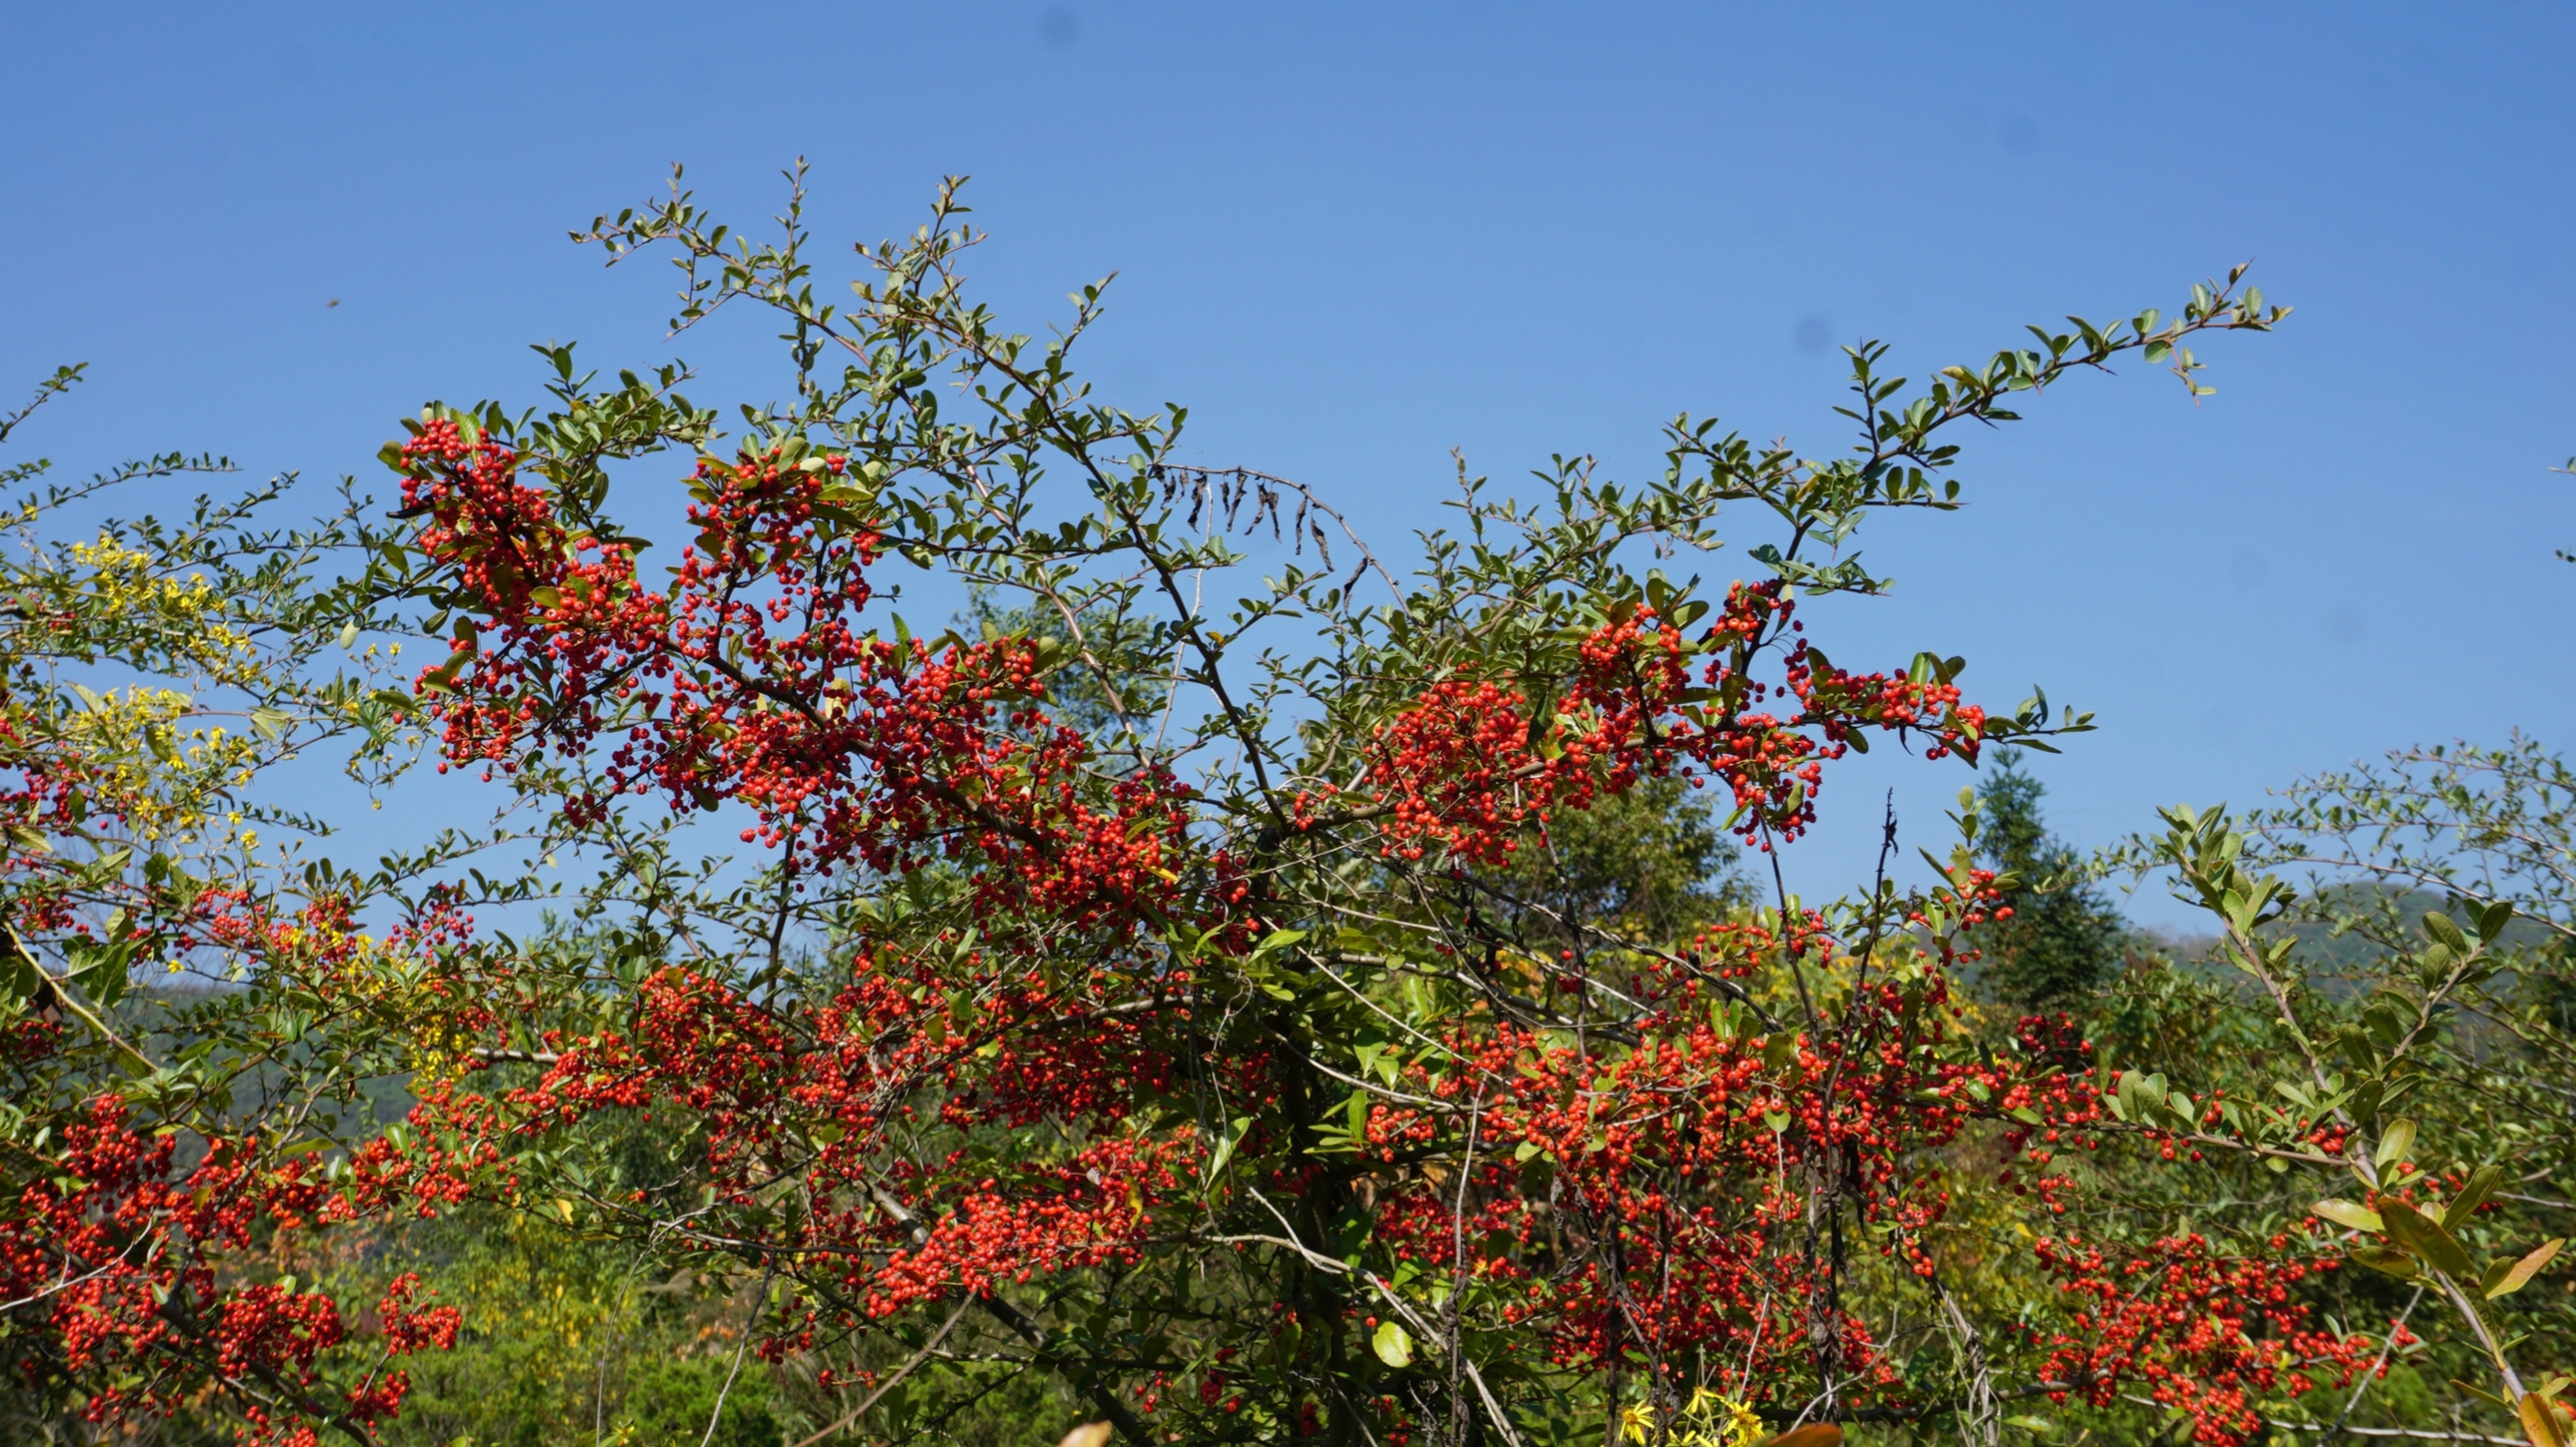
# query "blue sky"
(1351, 238)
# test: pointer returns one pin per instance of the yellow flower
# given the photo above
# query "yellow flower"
(1741, 1425)
(179, 614)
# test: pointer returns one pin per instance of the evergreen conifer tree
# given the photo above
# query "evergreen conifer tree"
(2063, 940)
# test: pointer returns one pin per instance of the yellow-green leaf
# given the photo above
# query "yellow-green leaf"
(2540, 1421)
(1780, 1051)
(2395, 1142)
(2525, 1269)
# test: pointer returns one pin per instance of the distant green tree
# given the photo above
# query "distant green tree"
(2063, 940)
(1109, 689)
(1653, 863)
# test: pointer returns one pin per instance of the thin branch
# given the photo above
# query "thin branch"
(901, 1372)
(749, 1322)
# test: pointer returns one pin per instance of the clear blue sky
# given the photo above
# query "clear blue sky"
(1352, 237)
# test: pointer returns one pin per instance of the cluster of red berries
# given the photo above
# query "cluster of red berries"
(1697, 1153)
(2205, 1333)
(828, 1098)
(1467, 766)
(128, 1254)
(751, 682)
(47, 795)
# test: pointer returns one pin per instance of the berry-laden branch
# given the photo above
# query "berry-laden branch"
(1200, 1065)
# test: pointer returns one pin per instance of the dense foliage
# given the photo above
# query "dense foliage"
(1228, 991)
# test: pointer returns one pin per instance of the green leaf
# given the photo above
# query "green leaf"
(1392, 1345)
(105, 981)
(2425, 1237)
(2394, 1142)
(2482, 1394)
(2447, 930)
(2473, 1194)
(2386, 1260)
(2496, 1272)
(2348, 1213)
(2493, 919)
(1225, 1149)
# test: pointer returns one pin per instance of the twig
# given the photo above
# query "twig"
(1403, 1308)
(749, 1321)
(2413, 1432)
(2368, 1377)
(901, 1372)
